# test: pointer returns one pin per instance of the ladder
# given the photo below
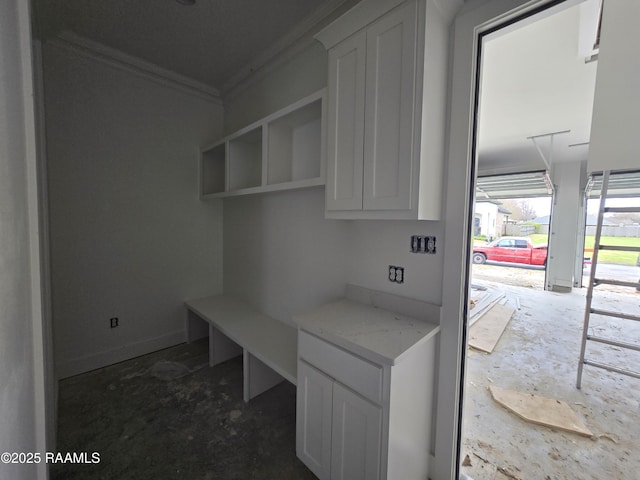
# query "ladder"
(594, 282)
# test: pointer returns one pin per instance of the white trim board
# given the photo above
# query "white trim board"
(51, 386)
(474, 19)
(41, 341)
(115, 58)
(86, 363)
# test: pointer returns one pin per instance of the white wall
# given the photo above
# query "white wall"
(21, 369)
(280, 254)
(129, 236)
(300, 76)
(616, 107)
(374, 245)
(279, 251)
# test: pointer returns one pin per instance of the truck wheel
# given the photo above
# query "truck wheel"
(478, 258)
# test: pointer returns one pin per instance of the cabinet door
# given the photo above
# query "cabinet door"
(313, 420)
(389, 112)
(345, 134)
(356, 437)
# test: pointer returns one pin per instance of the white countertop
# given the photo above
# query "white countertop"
(378, 335)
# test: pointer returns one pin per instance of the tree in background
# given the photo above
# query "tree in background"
(521, 210)
(528, 212)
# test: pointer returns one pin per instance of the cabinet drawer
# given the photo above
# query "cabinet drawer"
(354, 372)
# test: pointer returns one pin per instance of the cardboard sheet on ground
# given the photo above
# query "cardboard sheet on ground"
(540, 410)
(485, 333)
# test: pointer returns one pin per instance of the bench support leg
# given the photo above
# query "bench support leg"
(258, 377)
(196, 327)
(221, 347)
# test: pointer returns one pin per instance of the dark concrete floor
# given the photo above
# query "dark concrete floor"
(168, 415)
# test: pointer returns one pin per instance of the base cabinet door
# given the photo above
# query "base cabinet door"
(314, 404)
(355, 437)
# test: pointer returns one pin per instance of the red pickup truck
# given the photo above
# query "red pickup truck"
(512, 250)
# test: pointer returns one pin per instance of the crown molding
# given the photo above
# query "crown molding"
(286, 48)
(128, 63)
(449, 8)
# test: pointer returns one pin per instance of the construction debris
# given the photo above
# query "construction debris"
(608, 437)
(540, 410)
(503, 473)
(482, 300)
(486, 332)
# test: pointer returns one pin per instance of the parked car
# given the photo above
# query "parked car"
(512, 250)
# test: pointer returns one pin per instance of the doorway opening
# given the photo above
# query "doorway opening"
(535, 95)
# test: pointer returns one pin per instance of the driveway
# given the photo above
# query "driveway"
(531, 276)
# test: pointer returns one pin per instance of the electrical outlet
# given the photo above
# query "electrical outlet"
(114, 322)
(423, 244)
(430, 245)
(416, 243)
(396, 274)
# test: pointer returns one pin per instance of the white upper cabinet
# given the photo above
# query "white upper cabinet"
(386, 110)
(346, 135)
(390, 98)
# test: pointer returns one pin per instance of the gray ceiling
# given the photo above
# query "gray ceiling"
(211, 41)
(535, 81)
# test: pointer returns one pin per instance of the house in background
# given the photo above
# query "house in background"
(490, 219)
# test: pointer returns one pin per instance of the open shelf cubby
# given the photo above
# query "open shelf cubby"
(245, 160)
(295, 144)
(282, 151)
(213, 171)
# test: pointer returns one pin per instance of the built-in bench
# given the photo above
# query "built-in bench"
(268, 346)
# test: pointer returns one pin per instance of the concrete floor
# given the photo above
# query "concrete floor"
(538, 353)
(168, 415)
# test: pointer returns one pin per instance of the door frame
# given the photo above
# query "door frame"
(474, 21)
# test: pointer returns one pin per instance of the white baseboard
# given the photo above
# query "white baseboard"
(86, 363)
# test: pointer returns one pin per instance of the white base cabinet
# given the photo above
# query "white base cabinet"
(358, 420)
(338, 431)
(314, 409)
(355, 436)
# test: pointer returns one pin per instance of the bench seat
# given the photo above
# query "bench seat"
(268, 346)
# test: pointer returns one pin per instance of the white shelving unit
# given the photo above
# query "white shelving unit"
(212, 169)
(280, 152)
(245, 159)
